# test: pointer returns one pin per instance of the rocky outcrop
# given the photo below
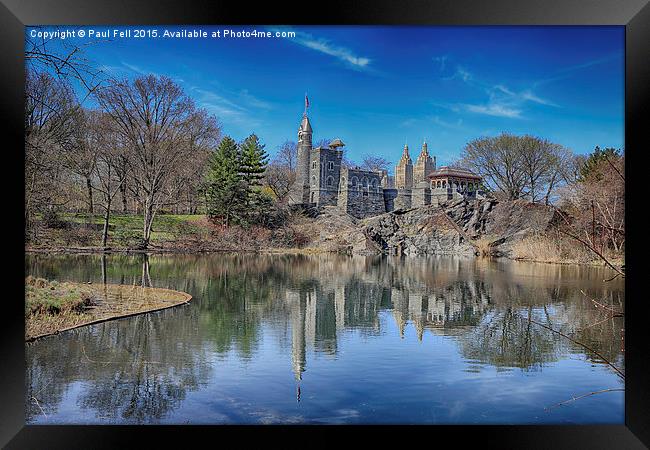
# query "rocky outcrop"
(460, 227)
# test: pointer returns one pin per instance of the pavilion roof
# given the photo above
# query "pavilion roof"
(457, 172)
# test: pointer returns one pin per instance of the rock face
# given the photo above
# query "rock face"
(453, 228)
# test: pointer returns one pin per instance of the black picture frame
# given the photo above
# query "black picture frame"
(633, 14)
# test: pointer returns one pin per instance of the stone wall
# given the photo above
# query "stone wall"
(402, 199)
(325, 173)
(362, 202)
(420, 197)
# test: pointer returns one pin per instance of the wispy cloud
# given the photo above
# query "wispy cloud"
(137, 69)
(235, 110)
(253, 101)
(568, 71)
(460, 73)
(327, 47)
(502, 101)
(454, 125)
(495, 109)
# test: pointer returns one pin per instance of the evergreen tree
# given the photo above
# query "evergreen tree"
(225, 188)
(591, 170)
(254, 160)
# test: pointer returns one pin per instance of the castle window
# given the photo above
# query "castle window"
(313, 165)
(354, 181)
(365, 193)
(331, 165)
(444, 183)
(365, 181)
(313, 181)
(374, 183)
(438, 184)
(330, 181)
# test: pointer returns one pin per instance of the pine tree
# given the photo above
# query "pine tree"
(225, 188)
(254, 160)
(592, 167)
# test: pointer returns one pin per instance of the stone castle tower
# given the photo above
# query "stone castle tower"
(404, 171)
(300, 191)
(424, 165)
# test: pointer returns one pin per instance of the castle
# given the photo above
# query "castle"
(322, 180)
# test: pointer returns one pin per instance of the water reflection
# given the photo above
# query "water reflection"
(252, 315)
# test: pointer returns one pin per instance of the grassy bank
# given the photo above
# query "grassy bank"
(52, 307)
(171, 233)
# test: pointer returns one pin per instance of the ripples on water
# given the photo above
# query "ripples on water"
(333, 339)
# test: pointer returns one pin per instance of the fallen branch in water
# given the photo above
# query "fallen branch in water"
(618, 371)
(39, 406)
(573, 399)
(601, 305)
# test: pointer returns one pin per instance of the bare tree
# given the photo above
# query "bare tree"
(80, 153)
(281, 171)
(279, 179)
(61, 58)
(287, 155)
(109, 154)
(519, 166)
(50, 109)
(164, 132)
(376, 163)
(499, 162)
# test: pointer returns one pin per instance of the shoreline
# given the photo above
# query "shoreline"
(276, 251)
(184, 299)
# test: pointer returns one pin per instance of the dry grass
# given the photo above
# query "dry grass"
(552, 249)
(483, 245)
(52, 307)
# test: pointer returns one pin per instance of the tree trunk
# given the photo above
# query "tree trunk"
(89, 187)
(124, 203)
(148, 221)
(107, 216)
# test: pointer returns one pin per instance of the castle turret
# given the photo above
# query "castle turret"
(404, 171)
(423, 167)
(300, 190)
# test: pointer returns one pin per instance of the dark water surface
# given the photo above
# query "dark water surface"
(334, 339)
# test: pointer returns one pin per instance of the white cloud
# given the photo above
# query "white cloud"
(495, 110)
(327, 47)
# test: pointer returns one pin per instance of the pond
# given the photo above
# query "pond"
(334, 339)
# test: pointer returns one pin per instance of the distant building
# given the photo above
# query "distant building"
(322, 180)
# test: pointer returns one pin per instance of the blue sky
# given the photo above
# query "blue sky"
(379, 87)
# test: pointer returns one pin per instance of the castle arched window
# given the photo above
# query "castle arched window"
(330, 181)
(330, 165)
(438, 184)
(313, 165)
(365, 181)
(355, 180)
(444, 183)
(313, 181)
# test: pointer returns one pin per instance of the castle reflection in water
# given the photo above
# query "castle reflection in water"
(351, 292)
